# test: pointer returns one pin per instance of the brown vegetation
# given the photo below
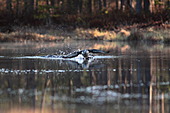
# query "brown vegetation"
(55, 34)
(23, 36)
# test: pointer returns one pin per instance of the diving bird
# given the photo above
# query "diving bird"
(85, 53)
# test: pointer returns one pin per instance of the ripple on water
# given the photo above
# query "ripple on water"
(16, 71)
(41, 71)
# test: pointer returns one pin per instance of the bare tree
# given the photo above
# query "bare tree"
(75, 6)
(89, 6)
(117, 4)
(9, 5)
(138, 6)
(36, 5)
(146, 6)
(29, 8)
(69, 3)
(104, 3)
(100, 5)
(122, 4)
(17, 7)
(80, 5)
(129, 5)
(52, 2)
(47, 2)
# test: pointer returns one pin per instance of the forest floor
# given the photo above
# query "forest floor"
(157, 32)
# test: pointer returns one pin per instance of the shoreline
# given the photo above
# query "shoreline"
(57, 33)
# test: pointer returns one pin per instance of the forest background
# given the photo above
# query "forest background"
(101, 14)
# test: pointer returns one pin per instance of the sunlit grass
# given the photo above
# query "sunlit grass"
(21, 37)
(95, 34)
(31, 34)
(39, 34)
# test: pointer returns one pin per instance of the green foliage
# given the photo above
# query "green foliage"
(46, 11)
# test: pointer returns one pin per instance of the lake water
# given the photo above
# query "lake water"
(133, 77)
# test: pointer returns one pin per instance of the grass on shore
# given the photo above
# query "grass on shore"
(59, 34)
(150, 34)
(23, 34)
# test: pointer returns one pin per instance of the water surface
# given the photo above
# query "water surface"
(131, 78)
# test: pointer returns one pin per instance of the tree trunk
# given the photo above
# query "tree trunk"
(53, 3)
(36, 5)
(80, 5)
(89, 6)
(168, 3)
(47, 2)
(100, 5)
(9, 6)
(25, 5)
(69, 6)
(122, 4)
(75, 6)
(104, 3)
(146, 6)
(63, 5)
(138, 6)
(117, 4)
(17, 7)
(129, 5)
(29, 8)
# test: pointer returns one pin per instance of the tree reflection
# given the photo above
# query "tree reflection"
(139, 80)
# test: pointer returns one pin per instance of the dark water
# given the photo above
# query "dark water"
(131, 78)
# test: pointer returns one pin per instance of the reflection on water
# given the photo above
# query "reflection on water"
(130, 79)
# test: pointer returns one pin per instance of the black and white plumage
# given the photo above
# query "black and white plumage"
(85, 53)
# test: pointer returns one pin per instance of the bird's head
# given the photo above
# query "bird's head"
(85, 53)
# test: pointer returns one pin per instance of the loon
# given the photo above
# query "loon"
(85, 53)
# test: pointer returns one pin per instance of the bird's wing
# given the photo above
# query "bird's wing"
(71, 55)
(97, 51)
